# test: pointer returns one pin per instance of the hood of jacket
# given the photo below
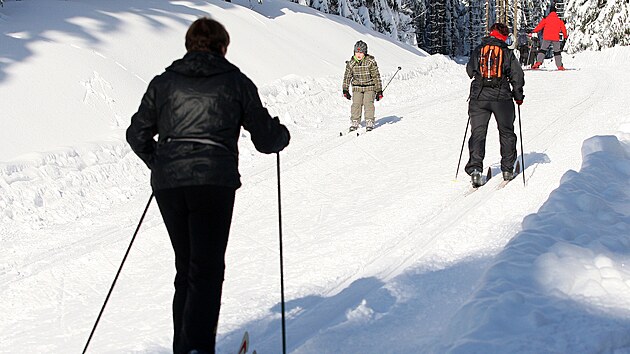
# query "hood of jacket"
(201, 64)
(553, 15)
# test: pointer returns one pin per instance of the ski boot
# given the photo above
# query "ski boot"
(507, 175)
(353, 128)
(369, 125)
(475, 179)
(536, 65)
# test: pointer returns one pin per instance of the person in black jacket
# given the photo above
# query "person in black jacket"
(494, 98)
(197, 108)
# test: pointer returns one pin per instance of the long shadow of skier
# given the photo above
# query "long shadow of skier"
(387, 120)
(532, 159)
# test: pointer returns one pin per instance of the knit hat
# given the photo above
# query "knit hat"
(360, 47)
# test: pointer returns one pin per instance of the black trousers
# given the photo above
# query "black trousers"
(198, 221)
(479, 113)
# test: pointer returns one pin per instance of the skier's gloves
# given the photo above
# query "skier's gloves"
(519, 102)
(346, 94)
(379, 95)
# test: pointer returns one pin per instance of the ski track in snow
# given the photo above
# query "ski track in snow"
(421, 242)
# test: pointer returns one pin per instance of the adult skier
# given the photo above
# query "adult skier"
(493, 68)
(551, 26)
(362, 73)
(196, 108)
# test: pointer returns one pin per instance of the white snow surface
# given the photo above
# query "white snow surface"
(385, 251)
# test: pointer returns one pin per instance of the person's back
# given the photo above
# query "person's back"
(552, 26)
(491, 94)
(196, 108)
(204, 96)
(512, 74)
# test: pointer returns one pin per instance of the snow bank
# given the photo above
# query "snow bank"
(83, 66)
(63, 185)
(567, 272)
(606, 57)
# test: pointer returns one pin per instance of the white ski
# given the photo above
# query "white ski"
(244, 344)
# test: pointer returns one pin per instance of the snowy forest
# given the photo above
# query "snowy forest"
(454, 27)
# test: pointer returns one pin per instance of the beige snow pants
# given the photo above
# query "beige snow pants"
(360, 100)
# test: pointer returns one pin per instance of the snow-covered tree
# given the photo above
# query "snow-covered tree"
(597, 24)
(390, 17)
(454, 27)
(474, 24)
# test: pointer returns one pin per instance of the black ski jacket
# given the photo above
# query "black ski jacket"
(513, 73)
(196, 108)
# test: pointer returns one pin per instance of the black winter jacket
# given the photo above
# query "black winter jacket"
(511, 68)
(201, 96)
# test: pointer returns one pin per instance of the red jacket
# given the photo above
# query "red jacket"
(551, 25)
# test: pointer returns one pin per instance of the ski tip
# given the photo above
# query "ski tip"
(244, 344)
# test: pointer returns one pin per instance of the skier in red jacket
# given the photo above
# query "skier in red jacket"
(551, 26)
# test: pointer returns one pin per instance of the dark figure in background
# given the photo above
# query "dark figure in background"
(196, 108)
(490, 93)
(527, 47)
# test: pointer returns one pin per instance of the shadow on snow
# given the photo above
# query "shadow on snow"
(500, 303)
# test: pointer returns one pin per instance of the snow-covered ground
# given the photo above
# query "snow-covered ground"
(384, 250)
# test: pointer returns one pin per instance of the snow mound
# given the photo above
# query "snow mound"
(567, 265)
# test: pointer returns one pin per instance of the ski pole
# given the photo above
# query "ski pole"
(462, 150)
(520, 131)
(284, 328)
(117, 274)
(390, 80)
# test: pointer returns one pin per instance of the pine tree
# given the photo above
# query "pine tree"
(436, 27)
(455, 27)
(476, 28)
(597, 24)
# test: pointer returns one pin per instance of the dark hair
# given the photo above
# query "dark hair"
(501, 28)
(552, 8)
(206, 35)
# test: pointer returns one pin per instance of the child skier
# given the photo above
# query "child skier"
(362, 73)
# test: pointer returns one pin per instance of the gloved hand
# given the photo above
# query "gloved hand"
(519, 102)
(346, 94)
(379, 95)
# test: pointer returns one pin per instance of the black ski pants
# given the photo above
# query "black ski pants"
(198, 221)
(479, 113)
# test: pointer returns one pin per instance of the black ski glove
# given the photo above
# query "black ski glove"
(379, 95)
(346, 94)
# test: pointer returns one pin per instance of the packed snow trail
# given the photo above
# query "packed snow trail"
(449, 228)
(367, 214)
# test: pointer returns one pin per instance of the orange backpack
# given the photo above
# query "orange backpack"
(491, 65)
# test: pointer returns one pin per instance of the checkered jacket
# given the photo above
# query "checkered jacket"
(363, 75)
